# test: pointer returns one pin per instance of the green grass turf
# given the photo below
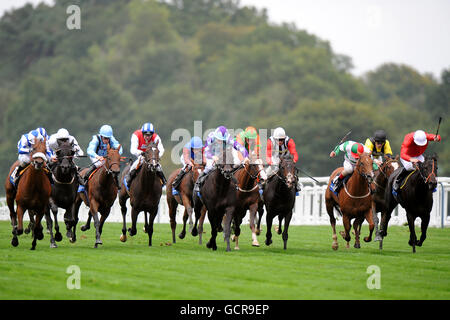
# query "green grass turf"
(308, 269)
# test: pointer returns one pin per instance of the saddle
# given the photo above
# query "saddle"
(21, 172)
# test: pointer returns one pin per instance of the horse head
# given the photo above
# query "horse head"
(225, 163)
(389, 165)
(364, 167)
(254, 166)
(38, 157)
(428, 171)
(64, 156)
(112, 161)
(287, 170)
(151, 155)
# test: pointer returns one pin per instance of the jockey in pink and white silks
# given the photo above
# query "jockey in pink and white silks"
(25, 146)
(139, 142)
(215, 144)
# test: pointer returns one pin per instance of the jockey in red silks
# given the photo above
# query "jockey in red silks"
(413, 146)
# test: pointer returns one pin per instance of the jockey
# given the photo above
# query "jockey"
(25, 146)
(216, 142)
(249, 138)
(411, 152)
(139, 141)
(278, 145)
(63, 136)
(193, 152)
(98, 149)
(352, 150)
(380, 146)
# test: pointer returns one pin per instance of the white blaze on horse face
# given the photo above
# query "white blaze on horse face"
(395, 165)
(39, 155)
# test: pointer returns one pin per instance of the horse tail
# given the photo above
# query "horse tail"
(338, 210)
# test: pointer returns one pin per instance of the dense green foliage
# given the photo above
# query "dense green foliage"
(308, 269)
(174, 62)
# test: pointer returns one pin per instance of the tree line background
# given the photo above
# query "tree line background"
(174, 62)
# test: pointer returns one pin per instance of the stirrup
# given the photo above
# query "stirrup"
(175, 191)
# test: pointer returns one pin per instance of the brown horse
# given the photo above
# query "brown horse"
(32, 194)
(144, 193)
(380, 180)
(247, 198)
(185, 199)
(354, 201)
(102, 192)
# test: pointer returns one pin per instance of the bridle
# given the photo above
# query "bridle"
(427, 179)
(153, 161)
(283, 178)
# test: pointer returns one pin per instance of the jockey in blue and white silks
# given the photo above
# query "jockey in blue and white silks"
(25, 146)
(215, 143)
(98, 149)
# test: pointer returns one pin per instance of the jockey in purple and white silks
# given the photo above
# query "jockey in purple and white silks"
(215, 144)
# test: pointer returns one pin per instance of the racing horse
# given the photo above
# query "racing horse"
(279, 197)
(247, 197)
(185, 199)
(32, 194)
(380, 180)
(216, 196)
(144, 192)
(101, 193)
(354, 201)
(416, 196)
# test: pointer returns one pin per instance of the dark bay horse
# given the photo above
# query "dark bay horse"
(102, 192)
(64, 189)
(416, 196)
(279, 197)
(247, 198)
(144, 193)
(380, 181)
(354, 201)
(32, 194)
(185, 199)
(216, 196)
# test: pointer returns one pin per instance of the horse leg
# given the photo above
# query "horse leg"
(153, 212)
(58, 235)
(94, 214)
(71, 234)
(376, 221)
(372, 224)
(424, 226)
(134, 214)
(211, 244)
(227, 227)
(200, 225)
(173, 204)
(346, 234)
(287, 220)
(330, 211)
(412, 232)
(145, 222)
(357, 227)
(260, 214)
(253, 212)
(18, 222)
(185, 218)
(87, 226)
(280, 220)
(37, 231)
(123, 209)
(269, 219)
(237, 229)
(103, 217)
(50, 227)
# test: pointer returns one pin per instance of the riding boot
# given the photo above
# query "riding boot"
(336, 183)
(199, 182)
(130, 176)
(87, 174)
(160, 174)
(398, 180)
(176, 182)
(18, 169)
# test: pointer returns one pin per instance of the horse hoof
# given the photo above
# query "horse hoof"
(53, 245)
(72, 240)
(123, 238)
(84, 228)
(255, 244)
(208, 245)
(33, 248)
(237, 248)
(335, 247)
(233, 238)
(357, 246)
(378, 238)
(39, 235)
(194, 232)
(19, 232)
(15, 242)
(132, 232)
(268, 242)
(27, 231)
(47, 231)
(182, 235)
(58, 237)
(367, 239)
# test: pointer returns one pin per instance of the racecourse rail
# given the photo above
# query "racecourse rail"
(309, 207)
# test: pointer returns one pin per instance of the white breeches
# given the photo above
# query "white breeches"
(409, 166)
(348, 168)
